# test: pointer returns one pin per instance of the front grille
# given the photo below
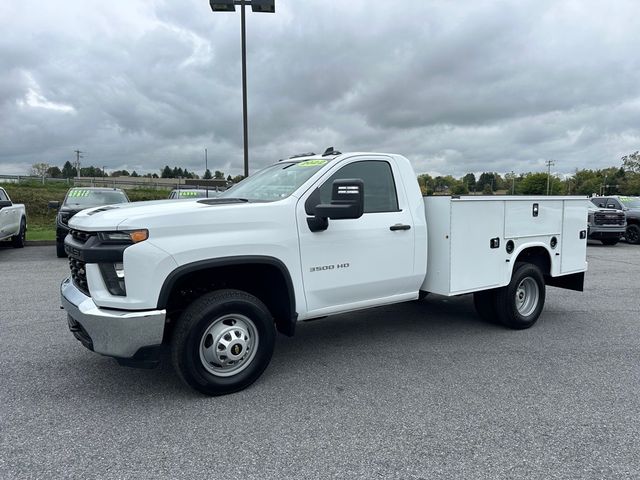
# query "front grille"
(609, 218)
(81, 237)
(79, 274)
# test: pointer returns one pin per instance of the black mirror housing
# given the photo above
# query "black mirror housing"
(347, 201)
(53, 204)
(5, 203)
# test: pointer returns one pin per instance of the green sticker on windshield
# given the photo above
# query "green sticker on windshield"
(188, 194)
(79, 193)
(312, 163)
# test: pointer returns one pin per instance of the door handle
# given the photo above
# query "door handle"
(399, 226)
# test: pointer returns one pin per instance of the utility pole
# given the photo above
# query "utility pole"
(78, 157)
(549, 164)
(513, 183)
(206, 164)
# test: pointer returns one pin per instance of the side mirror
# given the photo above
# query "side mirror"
(5, 203)
(347, 201)
(53, 204)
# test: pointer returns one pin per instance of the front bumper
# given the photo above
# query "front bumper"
(115, 333)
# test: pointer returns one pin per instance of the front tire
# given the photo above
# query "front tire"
(223, 342)
(519, 304)
(632, 235)
(18, 240)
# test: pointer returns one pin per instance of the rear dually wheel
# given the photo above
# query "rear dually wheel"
(519, 304)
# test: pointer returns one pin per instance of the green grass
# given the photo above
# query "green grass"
(41, 220)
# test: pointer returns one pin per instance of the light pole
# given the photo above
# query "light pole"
(262, 6)
(513, 183)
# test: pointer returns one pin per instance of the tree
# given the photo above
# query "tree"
(69, 171)
(470, 181)
(40, 169)
(207, 174)
(487, 178)
(536, 184)
(426, 184)
(238, 178)
(487, 190)
(459, 189)
(229, 179)
(218, 175)
(166, 172)
(134, 174)
(91, 172)
(631, 162)
(120, 173)
(54, 172)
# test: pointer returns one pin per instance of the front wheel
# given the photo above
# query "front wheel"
(632, 235)
(18, 240)
(223, 342)
(519, 304)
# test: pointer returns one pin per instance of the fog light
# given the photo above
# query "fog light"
(113, 276)
(119, 268)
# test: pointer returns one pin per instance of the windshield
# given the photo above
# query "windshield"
(631, 202)
(275, 182)
(94, 198)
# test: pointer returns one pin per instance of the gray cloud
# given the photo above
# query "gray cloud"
(454, 86)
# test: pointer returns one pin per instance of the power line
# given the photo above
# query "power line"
(78, 157)
(549, 163)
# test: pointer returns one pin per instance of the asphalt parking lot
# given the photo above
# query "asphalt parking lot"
(419, 390)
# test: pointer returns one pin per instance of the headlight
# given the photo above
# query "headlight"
(130, 236)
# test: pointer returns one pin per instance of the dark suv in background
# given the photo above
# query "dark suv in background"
(79, 198)
(606, 224)
(630, 206)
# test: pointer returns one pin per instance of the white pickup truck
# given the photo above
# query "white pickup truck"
(307, 237)
(13, 220)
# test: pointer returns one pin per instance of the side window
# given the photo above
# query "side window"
(379, 187)
(3, 196)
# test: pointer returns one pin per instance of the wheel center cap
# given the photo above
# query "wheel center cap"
(236, 349)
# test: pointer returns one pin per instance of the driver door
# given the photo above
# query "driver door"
(359, 261)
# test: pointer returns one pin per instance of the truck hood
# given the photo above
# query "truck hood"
(157, 214)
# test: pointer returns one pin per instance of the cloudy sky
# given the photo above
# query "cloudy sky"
(456, 86)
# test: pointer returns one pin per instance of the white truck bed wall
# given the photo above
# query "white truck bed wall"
(460, 231)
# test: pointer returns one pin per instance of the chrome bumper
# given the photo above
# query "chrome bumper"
(113, 333)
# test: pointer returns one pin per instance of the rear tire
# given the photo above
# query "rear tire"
(223, 342)
(18, 240)
(632, 235)
(520, 303)
(485, 303)
(610, 241)
(60, 253)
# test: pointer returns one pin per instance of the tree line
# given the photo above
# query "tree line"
(68, 170)
(623, 180)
